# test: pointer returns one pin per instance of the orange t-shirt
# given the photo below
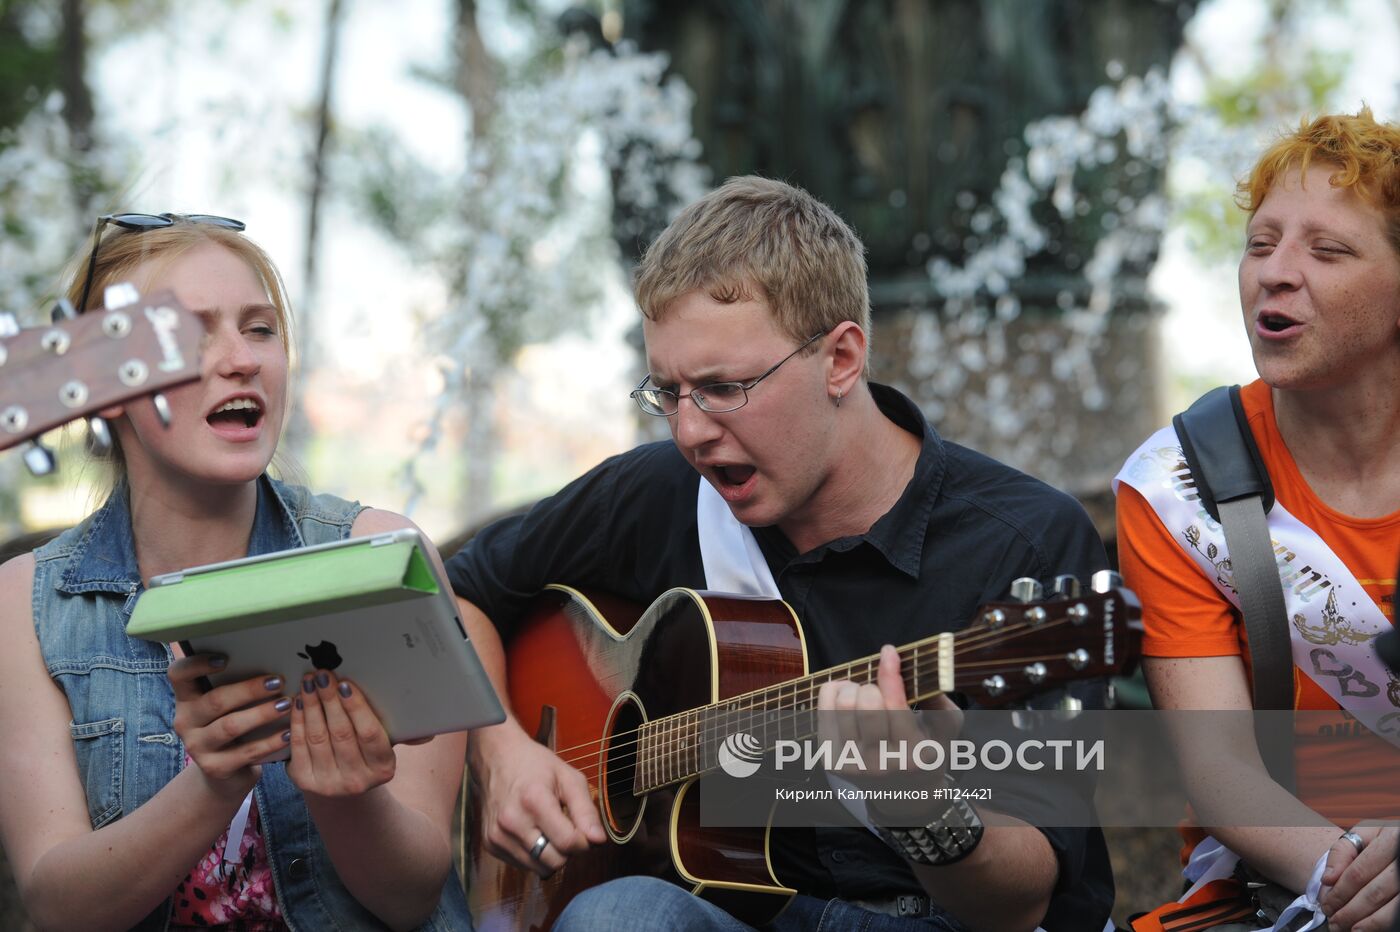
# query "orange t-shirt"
(1185, 615)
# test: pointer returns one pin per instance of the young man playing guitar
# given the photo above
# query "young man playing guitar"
(791, 468)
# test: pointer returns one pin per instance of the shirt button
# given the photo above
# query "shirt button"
(838, 856)
(298, 869)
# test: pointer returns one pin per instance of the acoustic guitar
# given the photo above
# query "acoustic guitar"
(631, 698)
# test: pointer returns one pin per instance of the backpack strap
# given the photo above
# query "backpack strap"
(1221, 451)
(1234, 487)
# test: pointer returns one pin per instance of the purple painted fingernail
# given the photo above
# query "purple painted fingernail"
(286, 737)
(323, 679)
(218, 661)
(345, 690)
(298, 702)
(283, 705)
(272, 683)
(307, 685)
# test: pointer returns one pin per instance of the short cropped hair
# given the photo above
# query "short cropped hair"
(1366, 154)
(758, 238)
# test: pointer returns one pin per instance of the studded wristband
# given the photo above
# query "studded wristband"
(947, 839)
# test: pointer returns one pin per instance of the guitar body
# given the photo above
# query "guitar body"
(585, 672)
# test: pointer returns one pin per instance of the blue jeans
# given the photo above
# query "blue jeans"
(647, 903)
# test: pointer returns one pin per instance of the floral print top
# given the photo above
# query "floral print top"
(237, 894)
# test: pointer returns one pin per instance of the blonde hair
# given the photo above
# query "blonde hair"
(1365, 152)
(121, 251)
(758, 238)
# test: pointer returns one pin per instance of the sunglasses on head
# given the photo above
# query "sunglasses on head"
(139, 223)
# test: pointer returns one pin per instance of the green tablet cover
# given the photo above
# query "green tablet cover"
(294, 585)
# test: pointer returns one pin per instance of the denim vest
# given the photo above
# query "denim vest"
(86, 583)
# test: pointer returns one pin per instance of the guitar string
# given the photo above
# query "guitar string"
(724, 714)
(735, 705)
(724, 721)
(979, 637)
(966, 642)
(677, 756)
(673, 742)
(625, 767)
(686, 740)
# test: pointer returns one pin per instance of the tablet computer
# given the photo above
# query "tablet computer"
(373, 609)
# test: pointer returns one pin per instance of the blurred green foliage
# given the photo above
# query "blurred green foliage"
(1291, 76)
(29, 53)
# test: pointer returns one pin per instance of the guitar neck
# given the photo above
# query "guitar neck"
(682, 746)
(1014, 650)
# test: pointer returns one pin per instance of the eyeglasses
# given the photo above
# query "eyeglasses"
(716, 398)
(140, 223)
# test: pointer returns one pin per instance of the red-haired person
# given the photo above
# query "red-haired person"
(1320, 291)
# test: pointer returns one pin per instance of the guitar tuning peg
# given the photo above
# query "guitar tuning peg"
(39, 458)
(62, 310)
(1104, 580)
(99, 437)
(1026, 589)
(162, 408)
(1067, 586)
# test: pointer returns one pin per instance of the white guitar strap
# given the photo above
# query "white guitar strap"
(1337, 651)
(733, 562)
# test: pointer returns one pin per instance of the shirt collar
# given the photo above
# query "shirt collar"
(898, 535)
(104, 559)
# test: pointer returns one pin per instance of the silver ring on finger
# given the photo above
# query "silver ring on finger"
(1356, 840)
(538, 847)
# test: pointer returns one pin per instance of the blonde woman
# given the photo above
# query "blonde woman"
(126, 797)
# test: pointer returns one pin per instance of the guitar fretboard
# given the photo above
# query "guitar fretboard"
(688, 744)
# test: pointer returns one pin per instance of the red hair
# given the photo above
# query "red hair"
(1366, 154)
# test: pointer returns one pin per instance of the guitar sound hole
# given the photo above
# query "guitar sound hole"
(622, 808)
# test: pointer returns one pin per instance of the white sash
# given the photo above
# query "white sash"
(1337, 651)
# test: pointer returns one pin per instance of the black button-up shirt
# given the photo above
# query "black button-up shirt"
(965, 526)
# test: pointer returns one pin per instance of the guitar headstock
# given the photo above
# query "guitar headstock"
(1029, 644)
(80, 364)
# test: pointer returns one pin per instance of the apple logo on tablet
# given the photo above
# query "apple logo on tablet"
(324, 655)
